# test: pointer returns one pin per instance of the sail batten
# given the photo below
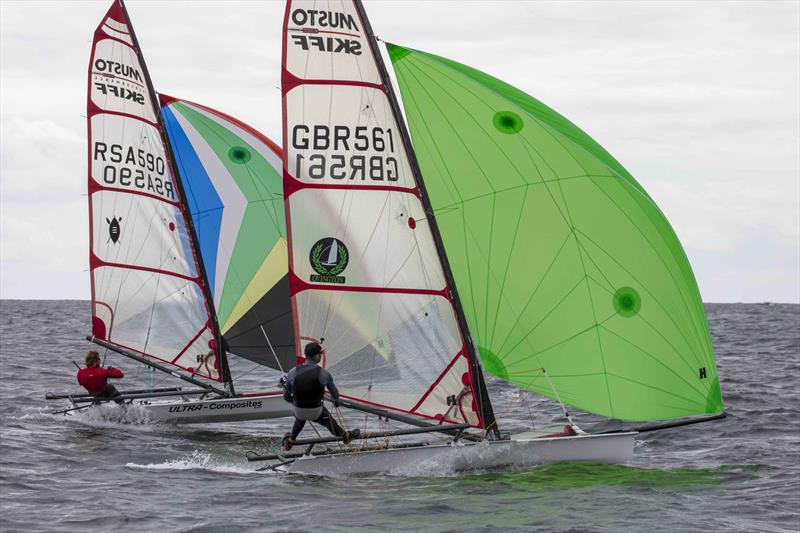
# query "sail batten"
(565, 262)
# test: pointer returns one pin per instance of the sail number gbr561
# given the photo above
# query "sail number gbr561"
(351, 153)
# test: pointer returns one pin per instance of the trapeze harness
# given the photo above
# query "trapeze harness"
(307, 391)
(307, 394)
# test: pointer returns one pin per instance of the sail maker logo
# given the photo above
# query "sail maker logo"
(117, 70)
(324, 19)
(328, 258)
(311, 20)
(118, 80)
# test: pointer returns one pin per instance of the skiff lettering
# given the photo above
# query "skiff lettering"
(328, 44)
(120, 92)
(324, 19)
(112, 67)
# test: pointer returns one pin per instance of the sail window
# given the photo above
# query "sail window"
(507, 122)
(627, 302)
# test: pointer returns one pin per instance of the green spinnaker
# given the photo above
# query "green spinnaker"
(561, 259)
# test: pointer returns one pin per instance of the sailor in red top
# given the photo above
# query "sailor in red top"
(94, 378)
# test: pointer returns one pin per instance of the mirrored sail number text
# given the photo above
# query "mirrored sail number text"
(131, 167)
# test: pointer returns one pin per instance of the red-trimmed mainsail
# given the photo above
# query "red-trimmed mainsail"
(147, 289)
(365, 271)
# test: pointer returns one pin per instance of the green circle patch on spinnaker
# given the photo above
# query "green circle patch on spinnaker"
(507, 122)
(239, 154)
(627, 302)
(492, 363)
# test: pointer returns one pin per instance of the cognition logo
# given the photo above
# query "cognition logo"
(328, 258)
(113, 229)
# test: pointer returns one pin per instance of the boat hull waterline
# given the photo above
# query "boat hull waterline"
(519, 452)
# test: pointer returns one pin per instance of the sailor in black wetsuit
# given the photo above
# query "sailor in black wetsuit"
(306, 384)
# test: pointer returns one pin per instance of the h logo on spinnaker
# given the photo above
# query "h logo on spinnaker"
(328, 258)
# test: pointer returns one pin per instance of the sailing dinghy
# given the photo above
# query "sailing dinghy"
(527, 250)
(187, 240)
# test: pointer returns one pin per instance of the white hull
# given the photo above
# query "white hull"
(195, 411)
(519, 452)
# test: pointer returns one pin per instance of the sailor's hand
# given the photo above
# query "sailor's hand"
(336, 402)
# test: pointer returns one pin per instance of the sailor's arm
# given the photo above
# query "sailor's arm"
(112, 372)
(326, 379)
(290, 379)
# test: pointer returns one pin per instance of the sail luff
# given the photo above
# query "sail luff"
(486, 410)
(286, 180)
(194, 243)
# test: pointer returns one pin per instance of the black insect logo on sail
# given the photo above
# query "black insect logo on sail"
(113, 229)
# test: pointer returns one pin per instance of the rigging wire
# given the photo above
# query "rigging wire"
(558, 398)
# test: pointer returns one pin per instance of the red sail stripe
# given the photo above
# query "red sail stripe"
(439, 379)
(291, 185)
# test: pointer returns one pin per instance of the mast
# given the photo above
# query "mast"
(223, 360)
(487, 412)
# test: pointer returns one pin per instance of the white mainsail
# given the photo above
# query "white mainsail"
(365, 271)
(147, 292)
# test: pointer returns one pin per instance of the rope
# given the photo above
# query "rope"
(563, 407)
(342, 422)
(528, 406)
(271, 349)
(255, 367)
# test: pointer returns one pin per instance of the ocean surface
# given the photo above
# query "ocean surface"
(100, 470)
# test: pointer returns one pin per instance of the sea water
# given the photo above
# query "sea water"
(107, 469)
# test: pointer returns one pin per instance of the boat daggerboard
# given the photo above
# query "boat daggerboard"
(365, 273)
(232, 176)
(562, 261)
(147, 293)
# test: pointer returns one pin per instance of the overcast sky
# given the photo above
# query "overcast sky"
(699, 100)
